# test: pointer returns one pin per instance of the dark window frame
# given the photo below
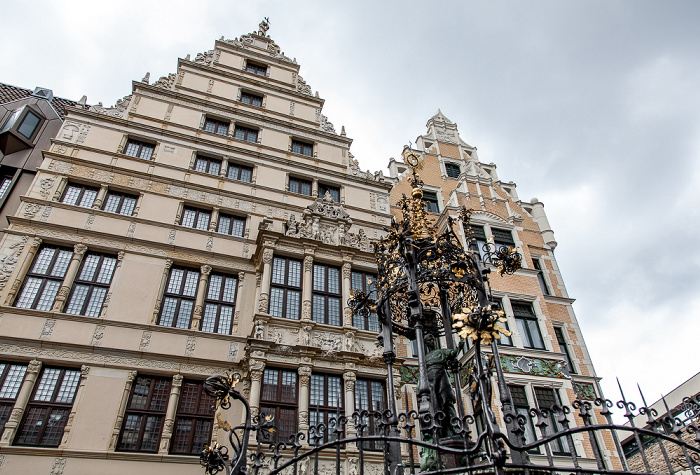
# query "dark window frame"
(522, 406)
(452, 170)
(251, 98)
(180, 297)
(256, 68)
(92, 284)
(123, 197)
(371, 321)
(240, 171)
(49, 407)
(302, 148)
(528, 317)
(432, 204)
(144, 413)
(332, 189)
(45, 277)
(208, 163)
(540, 276)
(326, 410)
(326, 294)
(216, 126)
(247, 134)
(564, 348)
(504, 340)
(81, 194)
(201, 398)
(372, 429)
(285, 287)
(560, 446)
(142, 148)
(296, 185)
(502, 237)
(280, 401)
(195, 220)
(233, 219)
(219, 303)
(7, 403)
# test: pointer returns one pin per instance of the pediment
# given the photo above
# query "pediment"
(488, 217)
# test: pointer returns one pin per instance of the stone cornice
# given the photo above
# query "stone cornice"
(558, 300)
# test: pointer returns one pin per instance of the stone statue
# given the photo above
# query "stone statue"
(259, 333)
(264, 26)
(442, 395)
(292, 226)
(315, 229)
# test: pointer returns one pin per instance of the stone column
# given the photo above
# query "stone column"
(239, 291)
(304, 380)
(257, 367)
(350, 377)
(122, 408)
(100, 197)
(115, 277)
(170, 414)
(264, 301)
(346, 289)
(20, 403)
(307, 286)
(224, 168)
(214, 219)
(62, 295)
(201, 293)
(161, 289)
(84, 371)
(24, 268)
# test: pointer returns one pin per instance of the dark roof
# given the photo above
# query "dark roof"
(10, 93)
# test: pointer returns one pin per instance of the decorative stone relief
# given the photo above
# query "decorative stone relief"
(46, 213)
(205, 58)
(292, 104)
(259, 330)
(171, 237)
(302, 87)
(210, 243)
(131, 230)
(330, 343)
(165, 82)
(83, 133)
(59, 465)
(326, 125)
(354, 170)
(538, 366)
(47, 329)
(190, 345)
(98, 335)
(45, 186)
(233, 348)
(210, 86)
(117, 110)
(31, 209)
(70, 131)
(89, 221)
(145, 340)
(9, 261)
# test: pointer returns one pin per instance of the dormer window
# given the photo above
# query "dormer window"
(20, 129)
(251, 99)
(452, 170)
(254, 68)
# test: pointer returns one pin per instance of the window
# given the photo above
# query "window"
(240, 172)
(302, 148)
(20, 129)
(47, 413)
(194, 420)
(11, 378)
(325, 403)
(120, 203)
(251, 99)
(44, 278)
(5, 183)
(178, 299)
(79, 195)
(527, 325)
(546, 398)
(256, 69)
(216, 126)
(540, 276)
(91, 285)
(285, 291)
(431, 201)
(208, 165)
(452, 170)
(326, 295)
(564, 348)
(504, 340)
(522, 407)
(144, 416)
(478, 240)
(196, 218)
(138, 149)
(370, 396)
(502, 237)
(278, 397)
(366, 283)
(233, 225)
(244, 133)
(219, 304)
(334, 191)
(29, 125)
(299, 185)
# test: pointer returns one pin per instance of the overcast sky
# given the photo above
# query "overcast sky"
(592, 106)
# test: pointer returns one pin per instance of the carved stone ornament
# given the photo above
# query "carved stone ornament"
(205, 58)
(302, 87)
(165, 82)
(117, 110)
(355, 170)
(9, 261)
(330, 343)
(326, 125)
(267, 256)
(259, 330)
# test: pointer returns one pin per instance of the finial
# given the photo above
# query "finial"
(82, 102)
(146, 78)
(264, 26)
(342, 131)
(187, 58)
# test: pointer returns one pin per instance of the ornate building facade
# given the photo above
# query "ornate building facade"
(216, 219)
(545, 360)
(212, 219)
